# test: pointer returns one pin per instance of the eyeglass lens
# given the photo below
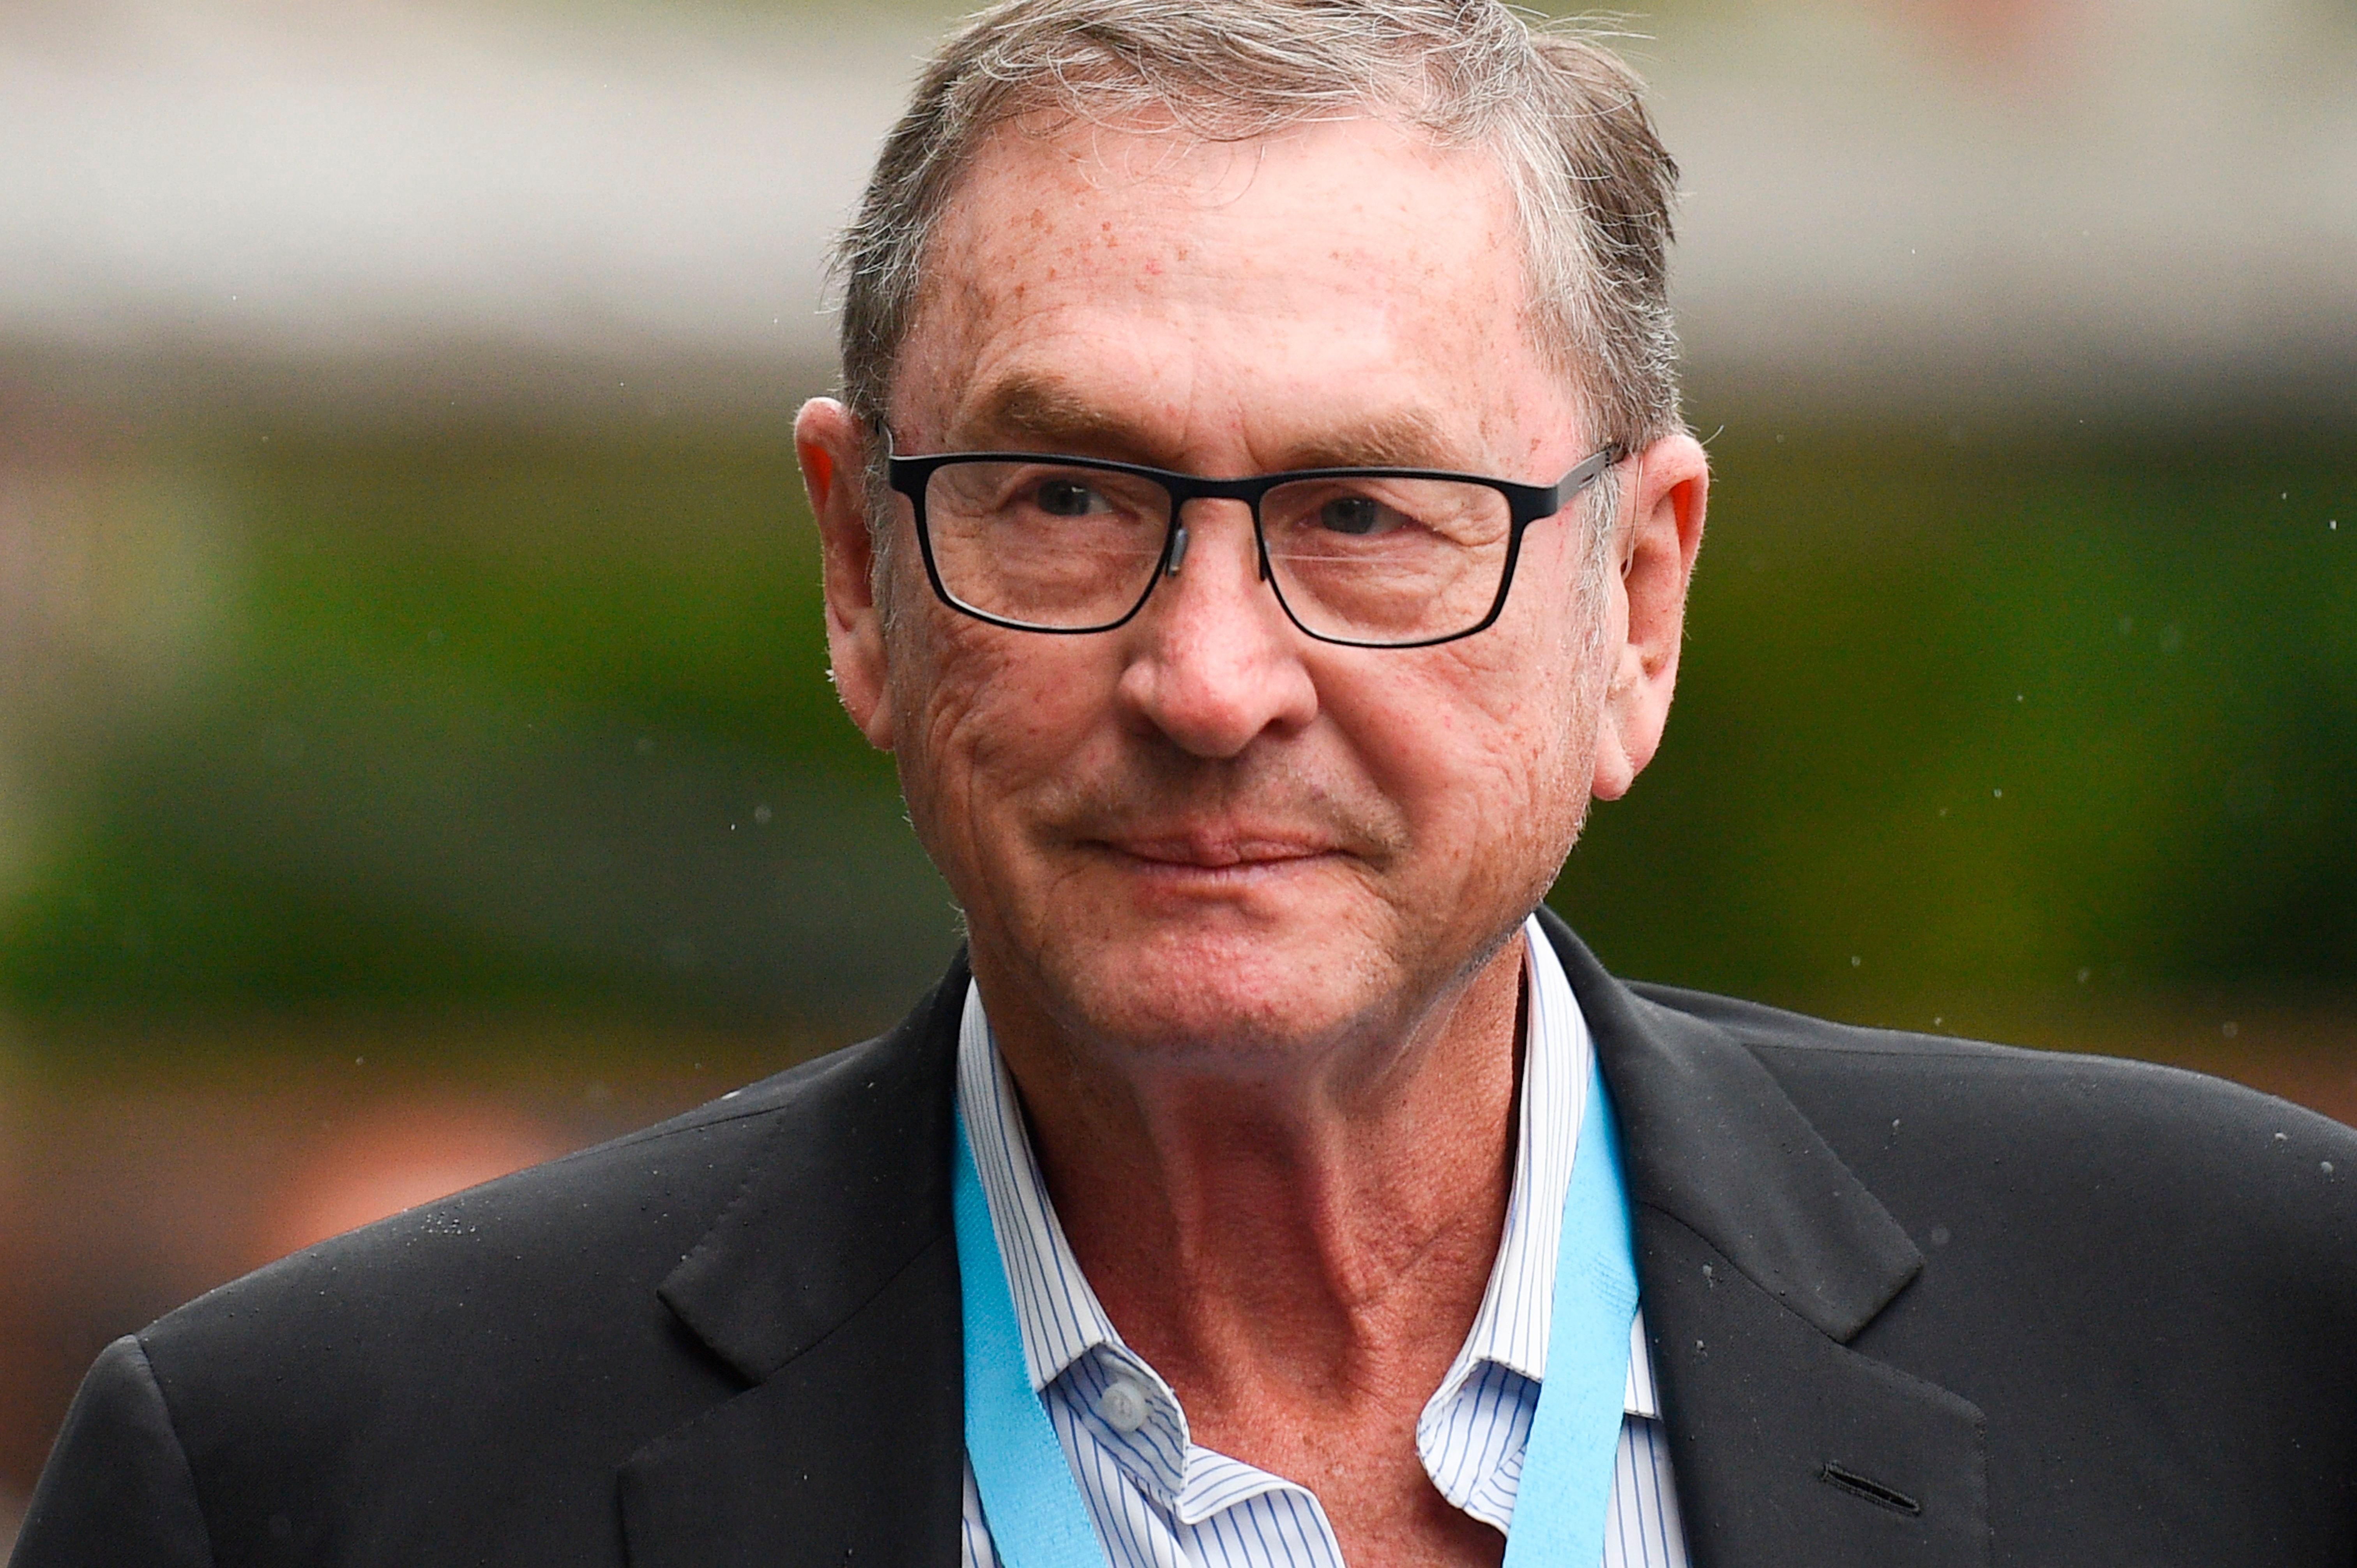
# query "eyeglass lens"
(1364, 558)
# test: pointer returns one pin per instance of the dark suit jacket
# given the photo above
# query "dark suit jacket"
(1912, 1301)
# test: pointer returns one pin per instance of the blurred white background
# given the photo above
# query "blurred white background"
(383, 202)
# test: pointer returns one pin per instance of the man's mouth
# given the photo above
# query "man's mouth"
(1219, 851)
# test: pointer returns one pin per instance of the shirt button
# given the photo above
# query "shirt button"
(1122, 1405)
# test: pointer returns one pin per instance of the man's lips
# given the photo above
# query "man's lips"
(1217, 852)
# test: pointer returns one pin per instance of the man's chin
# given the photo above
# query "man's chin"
(1218, 990)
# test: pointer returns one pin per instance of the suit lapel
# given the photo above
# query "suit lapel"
(1759, 1258)
(830, 1285)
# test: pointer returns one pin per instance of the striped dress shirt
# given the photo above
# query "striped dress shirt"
(1160, 1501)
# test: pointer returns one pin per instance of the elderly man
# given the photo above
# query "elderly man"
(1259, 523)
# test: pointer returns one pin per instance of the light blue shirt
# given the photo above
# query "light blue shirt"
(1160, 1501)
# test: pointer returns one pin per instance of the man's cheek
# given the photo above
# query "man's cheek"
(1520, 797)
(989, 734)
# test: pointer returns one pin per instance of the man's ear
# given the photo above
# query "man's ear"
(1655, 539)
(832, 448)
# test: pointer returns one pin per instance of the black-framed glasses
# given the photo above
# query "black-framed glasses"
(1363, 557)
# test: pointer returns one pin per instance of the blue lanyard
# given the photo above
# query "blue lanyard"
(1033, 1506)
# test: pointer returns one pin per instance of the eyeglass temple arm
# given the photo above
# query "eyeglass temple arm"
(1590, 470)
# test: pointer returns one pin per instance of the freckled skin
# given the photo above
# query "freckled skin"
(1452, 778)
(1245, 906)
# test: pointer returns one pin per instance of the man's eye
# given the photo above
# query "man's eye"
(1065, 498)
(1356, 515)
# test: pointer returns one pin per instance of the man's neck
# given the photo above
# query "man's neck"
(1300, 1254)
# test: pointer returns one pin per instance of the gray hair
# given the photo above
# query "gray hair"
(1591, 181)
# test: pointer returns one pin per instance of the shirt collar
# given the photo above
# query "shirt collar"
(1062, 1319)
(1059, 1314)
(1517, 1313)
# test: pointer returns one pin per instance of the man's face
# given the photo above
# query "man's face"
(1204, 837)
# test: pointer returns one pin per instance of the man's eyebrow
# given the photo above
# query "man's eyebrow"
(1406, 438)
(1036, 412)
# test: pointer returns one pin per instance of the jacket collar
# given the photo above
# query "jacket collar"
(830, 1286)
(837, 1203)
(1711, 1140)
(1760, 1261)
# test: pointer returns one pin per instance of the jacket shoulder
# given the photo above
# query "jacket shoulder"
(505, 1351)
(2094, 1149)
(1795, 1044)
(636, 1203)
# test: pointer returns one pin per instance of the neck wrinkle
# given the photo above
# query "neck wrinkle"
(1336, 1245)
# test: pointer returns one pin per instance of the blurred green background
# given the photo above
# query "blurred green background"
(1973, 727)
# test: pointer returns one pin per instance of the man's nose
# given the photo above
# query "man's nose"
(1213, 660)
